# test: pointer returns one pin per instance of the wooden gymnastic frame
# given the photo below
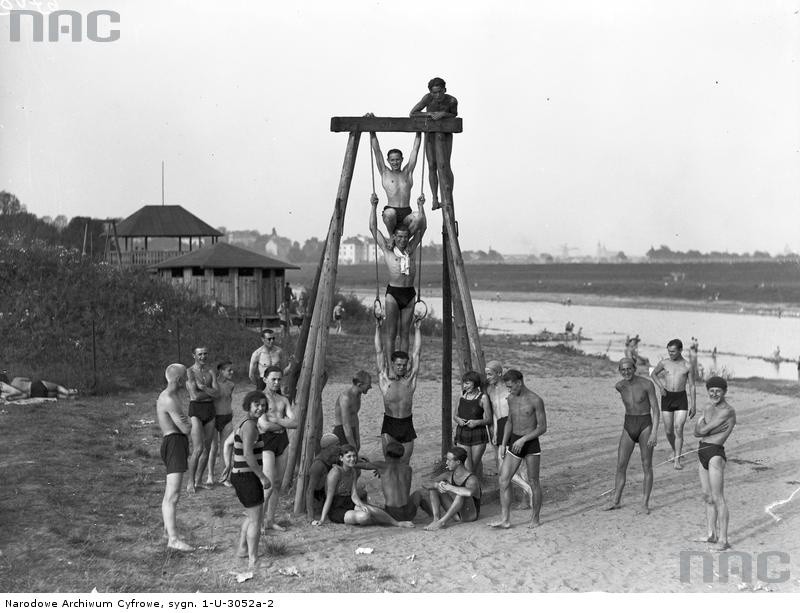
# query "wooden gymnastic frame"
(309, 376)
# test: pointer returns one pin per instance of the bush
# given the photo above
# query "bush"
(88, 325)
(359, 318)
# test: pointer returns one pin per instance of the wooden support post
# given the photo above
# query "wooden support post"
(313, 367)
(459, 321)
(447, 354)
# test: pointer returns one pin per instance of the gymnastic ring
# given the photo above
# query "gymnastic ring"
(377, 309)
(420, 310)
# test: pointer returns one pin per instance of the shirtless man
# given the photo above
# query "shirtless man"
(223, 417)
(526, 423)
(639, 397)
(348, 404)
(201, 383)
(318, 473)
(273, 424)
(438, 105)
(397, 388)
(713, 429)
(175, 427)
(457, 491)
(498, 396)
(674, 378)
(400, 506)
(269, 354)
(23, 387)
(397, 184)
(400, 256)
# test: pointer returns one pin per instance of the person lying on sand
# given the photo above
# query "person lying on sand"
(639, 397)
(343, 504)
(457, 492)
(23, 387)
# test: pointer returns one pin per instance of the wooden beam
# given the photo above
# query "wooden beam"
(460, 331)
(395, 124)
(447, 355)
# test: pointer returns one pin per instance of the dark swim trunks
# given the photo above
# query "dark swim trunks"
(204, 411)
(276, 442)
(501, 427)
(675, 401)
(529, 448)
(706, 451)
(38, 390)
(636, 424)
(248, 488)
(4, 378)
(400, 429)
(339, 432)
(403, 296)
(401, 212)
(222, 420)
(405, 513)
(175, 452)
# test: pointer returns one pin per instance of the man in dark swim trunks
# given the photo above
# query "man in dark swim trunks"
(397, 388)
(201, 383)
(345, 413)
(641, 426)
(526, 423)
(397, 184)
(675, 380)
(438, 105)
(175, 428)
(457, 492)
(713, 429)
(400, 255)
(395, 474)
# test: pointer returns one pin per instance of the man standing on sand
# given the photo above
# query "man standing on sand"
(201, 383)
(458, 492)
(397, 184)
(438, 105)
(269, 354)
(639, 397)
(498, 396)
(397, 388)
(348, 404)
(526, 423)
(713, 429)
(175, 428)
(273, 425)
(223, 418)
(674, 378)
(400, 255)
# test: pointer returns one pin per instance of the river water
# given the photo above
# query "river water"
(741, 340)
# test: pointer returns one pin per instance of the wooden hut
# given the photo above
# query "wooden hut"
(247, 282)
(156, 233)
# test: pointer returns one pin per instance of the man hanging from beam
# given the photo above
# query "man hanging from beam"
(438, 105)
(397, 183)
(400, 255)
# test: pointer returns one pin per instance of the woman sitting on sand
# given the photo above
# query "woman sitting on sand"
(247, 477)
(473, 415)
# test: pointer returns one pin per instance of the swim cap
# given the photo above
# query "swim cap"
(494, 366)
(328, 439)
(716, 382)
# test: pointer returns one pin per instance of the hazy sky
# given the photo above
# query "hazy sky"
(634, 123)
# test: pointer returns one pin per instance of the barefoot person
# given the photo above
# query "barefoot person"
(268, 354)
(338, 313)
(397, 184)
(438, 105)
(526, 423)
(247, 475)
(201, 383)
(472, 417)
(23, 387)
(223, 417)
(175, 427)
(400, 255)
(398, 385)
(273, 425)
(498, 396)
(674, 378)
(318, 473)
(395, 475)
(641, 426)
(348, 404)
(713, 429)
(457, 493)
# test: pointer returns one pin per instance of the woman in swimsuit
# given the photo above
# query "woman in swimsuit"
(342, 502)
(474, 414)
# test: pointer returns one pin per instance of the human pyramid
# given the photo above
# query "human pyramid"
(495, 408)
